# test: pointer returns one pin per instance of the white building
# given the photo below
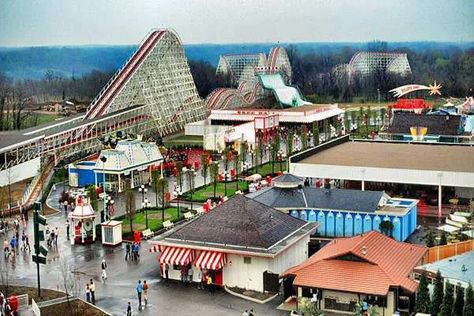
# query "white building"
(236, 243)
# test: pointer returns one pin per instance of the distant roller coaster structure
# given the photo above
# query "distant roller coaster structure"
(152, 94)
(246, 72)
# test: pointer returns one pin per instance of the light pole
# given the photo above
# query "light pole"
(177, 193)
(252, 153)
(190, 173)
(145, 205)
(143, 190)
(110, 202)
(104, 160)
(280, 159)
(225, 182)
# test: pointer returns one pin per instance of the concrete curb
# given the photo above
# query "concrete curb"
(47, 198)
(249, 298)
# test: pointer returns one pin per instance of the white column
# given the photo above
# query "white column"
(95, 177)
(119, 184)
(439, 202)
(82, 232)
(363, 185)
(132, 182)
(93, 230)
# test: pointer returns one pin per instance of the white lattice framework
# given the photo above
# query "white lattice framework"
(243, 69)
(367, 62)
(153, 93)
(158, 76)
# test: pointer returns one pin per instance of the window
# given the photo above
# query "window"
(247, 260)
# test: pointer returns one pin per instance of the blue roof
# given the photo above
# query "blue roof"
(333, 199)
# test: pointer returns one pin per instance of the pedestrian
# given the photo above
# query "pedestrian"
(13, 244)
(209, 284)
(167, 269)
(190, 274)
(104, 267)
(199, 277)
(145, 292)
(245, 313)
(88, 293)
(92, 289)
(129, 309)
(6, 249)
(27, 241)
(56, 235)
(52, 238)
(127, 251)
(251, 313)
(139, 293)
(67, 228)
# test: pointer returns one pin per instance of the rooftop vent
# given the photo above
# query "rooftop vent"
(364, 250)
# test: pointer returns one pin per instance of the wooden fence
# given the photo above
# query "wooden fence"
(442, 252)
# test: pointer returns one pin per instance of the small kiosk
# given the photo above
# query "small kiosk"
(111, 233)
(83, 221)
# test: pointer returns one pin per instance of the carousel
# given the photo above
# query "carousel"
(83, 221)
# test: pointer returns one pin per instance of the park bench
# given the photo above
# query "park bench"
(168, 224)
(188, 216)
(199, 211)
(147, 233)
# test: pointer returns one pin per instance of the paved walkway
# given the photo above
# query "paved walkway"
(165, 298)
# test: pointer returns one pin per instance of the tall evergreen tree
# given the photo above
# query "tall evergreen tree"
(429, 239)
(423, 296)
(444, 240)
(448, 301)
(459, 301)
(469, 303)
(438, 295)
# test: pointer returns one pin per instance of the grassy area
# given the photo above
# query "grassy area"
(185, 140)
(154, 219)
(266, 169)
(206, 192)
(36, 119)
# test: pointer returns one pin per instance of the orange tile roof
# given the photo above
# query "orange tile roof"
(387, 263)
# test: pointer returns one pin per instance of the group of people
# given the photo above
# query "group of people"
(52, 236)
(12, 247)
(132, 251)
(248, 313)
(90, 292)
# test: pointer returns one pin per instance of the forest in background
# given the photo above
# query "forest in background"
(450, 65)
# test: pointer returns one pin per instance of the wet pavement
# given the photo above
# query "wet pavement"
(165, 298)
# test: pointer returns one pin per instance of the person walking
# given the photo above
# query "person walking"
(68, 225)
(6, 249)
(190, 274)
(145, 292)
(245, 313)
(104, 267)
(167, 270)
(139, 293)
(88, 293)
(209, 284)
(251, 313)
(127, 251)
(92, 290)
(129, 309)
(200, 281)
(56, 235)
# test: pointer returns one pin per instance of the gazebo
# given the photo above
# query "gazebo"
(83, 221)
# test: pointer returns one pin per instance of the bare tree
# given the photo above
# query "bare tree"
(5, 277)
(70, 284)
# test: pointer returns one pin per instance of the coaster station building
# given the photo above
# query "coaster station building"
(432, 166)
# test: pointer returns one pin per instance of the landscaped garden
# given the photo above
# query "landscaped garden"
(206, 192)
(266, 169)
(154, 219)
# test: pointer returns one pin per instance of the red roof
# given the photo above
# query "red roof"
(381, 262)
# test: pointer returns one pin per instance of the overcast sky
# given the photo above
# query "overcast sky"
(79, 22)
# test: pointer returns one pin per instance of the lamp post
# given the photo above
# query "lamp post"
(110, 202)
(190, 174)
(177, 193)
(280, 159)
(252, 153)
(104, 160)
(145, 205)
(143, 191)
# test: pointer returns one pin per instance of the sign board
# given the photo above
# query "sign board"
(39, 259)
(266, 122)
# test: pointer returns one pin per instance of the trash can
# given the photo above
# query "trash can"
(13, 301)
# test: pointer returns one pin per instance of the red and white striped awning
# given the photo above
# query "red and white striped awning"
(176, 256)
(211, 260)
